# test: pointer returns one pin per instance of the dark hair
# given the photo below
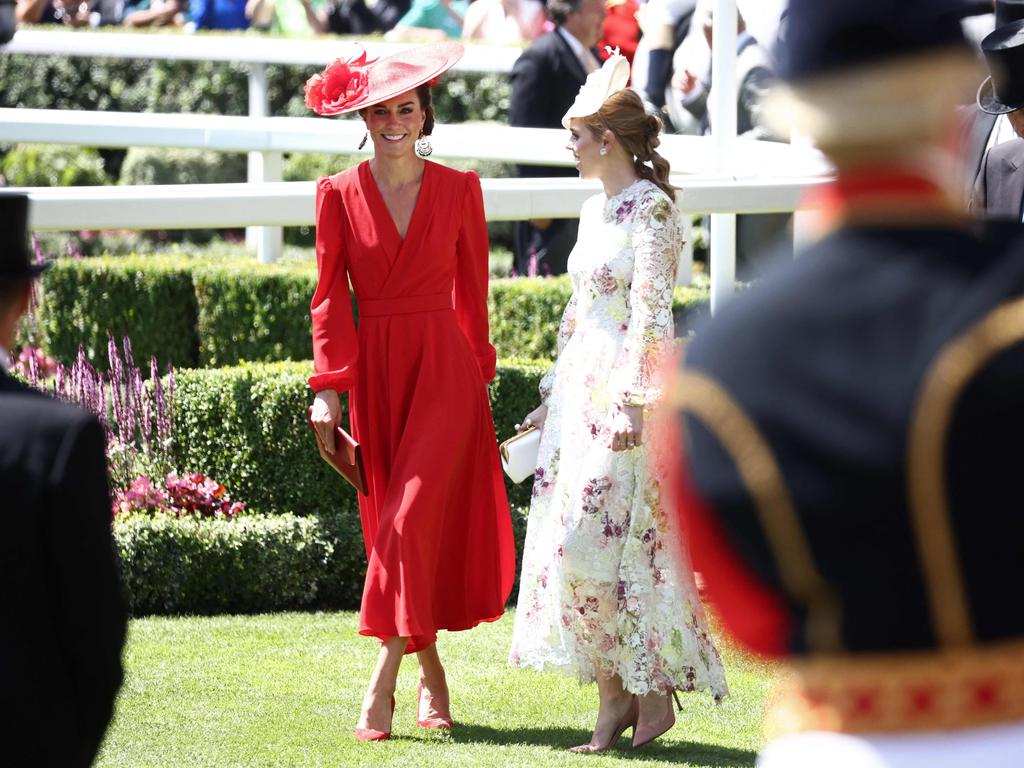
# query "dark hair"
(559, 10)
(623, 114)
(426, 99)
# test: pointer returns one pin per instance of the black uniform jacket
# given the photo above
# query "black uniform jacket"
(63, 614)
(853, 426)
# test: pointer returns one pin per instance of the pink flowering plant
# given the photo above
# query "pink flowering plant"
(190, 494)
(137, 416)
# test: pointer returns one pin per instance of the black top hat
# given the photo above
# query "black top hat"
(1003, 92)
(823, 37)
(1009, 11)
(15, 255)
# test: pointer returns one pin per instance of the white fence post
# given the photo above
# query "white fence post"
(684, 275)
(263, 167)
(723, 134)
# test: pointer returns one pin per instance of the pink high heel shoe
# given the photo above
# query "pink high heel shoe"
(430, 722)
(628, 721)
(370, 734)
(654, 730)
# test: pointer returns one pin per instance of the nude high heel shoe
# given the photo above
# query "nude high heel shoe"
(430, 722)
(369, 734)
(654, 730)
(628, 721)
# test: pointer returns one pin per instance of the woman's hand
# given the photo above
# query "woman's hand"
(626, 425)
(534, 418)
(326, 417)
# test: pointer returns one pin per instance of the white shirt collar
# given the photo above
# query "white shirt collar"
(580, 50)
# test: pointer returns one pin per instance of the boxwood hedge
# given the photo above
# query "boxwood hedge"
(202, 312)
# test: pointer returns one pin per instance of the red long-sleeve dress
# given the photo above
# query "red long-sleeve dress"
(436, 522)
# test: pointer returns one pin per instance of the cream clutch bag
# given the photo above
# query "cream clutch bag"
(519, 454)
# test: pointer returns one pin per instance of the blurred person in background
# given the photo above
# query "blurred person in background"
(999, 188)
(430, 20)
(216, 14)
(504, 22)
(986, 128)
(354, 17)
(850, 426)
(545, 80)
(64, 614)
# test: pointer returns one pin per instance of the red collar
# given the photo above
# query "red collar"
(883, 195)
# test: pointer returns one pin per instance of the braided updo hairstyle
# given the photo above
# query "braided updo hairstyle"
(623, 114)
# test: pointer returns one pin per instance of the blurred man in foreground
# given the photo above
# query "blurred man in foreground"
(849, 484)
(60, 594)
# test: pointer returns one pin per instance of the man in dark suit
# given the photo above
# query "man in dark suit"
(63, 614)
(849, 475)
(545, 80)
(985, 129)
(999, 186)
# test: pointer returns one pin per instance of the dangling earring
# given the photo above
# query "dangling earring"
(363, 142)
(604, 150)
(423, 146)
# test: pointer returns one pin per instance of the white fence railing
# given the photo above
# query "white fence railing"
(186, 206)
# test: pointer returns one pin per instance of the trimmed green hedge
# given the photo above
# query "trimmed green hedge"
(248, 565)
(245, 426)
(202, 312)
(152, 300)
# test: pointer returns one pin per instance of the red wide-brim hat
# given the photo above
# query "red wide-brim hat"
(356, 82)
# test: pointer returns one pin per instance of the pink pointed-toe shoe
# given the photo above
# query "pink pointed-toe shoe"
(628, 721)
(653, 730)
(370, 734)
(430, 722)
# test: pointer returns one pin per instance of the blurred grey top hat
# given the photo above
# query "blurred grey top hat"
(15, 254)
(1003, 90)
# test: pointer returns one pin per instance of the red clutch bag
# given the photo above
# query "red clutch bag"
(347, 459)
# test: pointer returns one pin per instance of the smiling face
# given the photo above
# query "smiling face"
(394, 125)
(586, 149)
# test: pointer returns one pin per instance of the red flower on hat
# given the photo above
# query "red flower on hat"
(339, 85)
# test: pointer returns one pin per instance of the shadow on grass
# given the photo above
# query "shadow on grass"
(563, 738)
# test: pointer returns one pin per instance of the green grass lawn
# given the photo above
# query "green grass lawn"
(285, 690)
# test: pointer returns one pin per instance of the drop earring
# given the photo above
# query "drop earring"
(363, 142)
(604, 150)
(423, 146)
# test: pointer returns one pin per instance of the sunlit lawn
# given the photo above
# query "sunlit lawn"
(285, 689)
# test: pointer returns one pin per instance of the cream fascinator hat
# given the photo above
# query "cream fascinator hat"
(601, 83)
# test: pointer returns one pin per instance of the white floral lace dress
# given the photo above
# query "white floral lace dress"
(603, 582)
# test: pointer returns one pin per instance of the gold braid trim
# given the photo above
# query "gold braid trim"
(708, 402)
(905, 692)
(944, 383)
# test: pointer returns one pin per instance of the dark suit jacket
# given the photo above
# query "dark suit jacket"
(979, 126)
(999, 188)
(545, 80)
(63, 613)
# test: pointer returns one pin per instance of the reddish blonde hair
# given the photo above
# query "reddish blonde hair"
(623, 114)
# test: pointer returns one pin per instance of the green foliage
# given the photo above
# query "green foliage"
(132, 85)
(151, 300)
(53, 165)
(192, 565)
(525, 313)
(246, 427)
(222, 311)
(151, 165)
(257, 315)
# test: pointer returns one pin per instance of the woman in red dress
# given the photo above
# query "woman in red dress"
(410, 235)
